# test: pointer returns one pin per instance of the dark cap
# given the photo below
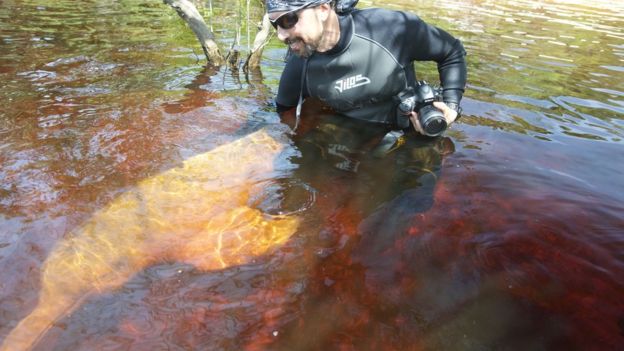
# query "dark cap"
(291, 5)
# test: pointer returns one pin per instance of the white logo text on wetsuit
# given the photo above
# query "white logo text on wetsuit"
(351, 82)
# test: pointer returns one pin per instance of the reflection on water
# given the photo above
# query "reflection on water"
(557, 63)
(506, 234)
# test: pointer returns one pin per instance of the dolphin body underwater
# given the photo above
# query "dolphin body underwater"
(198, 214)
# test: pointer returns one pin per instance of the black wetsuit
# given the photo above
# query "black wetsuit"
(372, 63)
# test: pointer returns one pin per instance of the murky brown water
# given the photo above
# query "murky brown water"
(508, 234)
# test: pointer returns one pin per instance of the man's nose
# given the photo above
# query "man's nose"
(282, 34)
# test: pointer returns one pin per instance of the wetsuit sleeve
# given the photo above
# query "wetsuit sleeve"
(289, 85)
(428, 43)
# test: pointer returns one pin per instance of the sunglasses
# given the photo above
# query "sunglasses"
(289, 19)
(286, 21)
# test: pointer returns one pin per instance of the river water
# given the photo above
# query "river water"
(506, 234)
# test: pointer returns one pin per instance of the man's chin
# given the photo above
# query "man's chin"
(300, 48)
(304, 52)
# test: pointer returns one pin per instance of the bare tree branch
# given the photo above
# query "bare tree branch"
(188, 12)
(262, 38)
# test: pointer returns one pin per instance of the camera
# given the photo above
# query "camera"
(420, 99)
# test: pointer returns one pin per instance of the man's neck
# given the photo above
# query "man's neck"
(331, 33)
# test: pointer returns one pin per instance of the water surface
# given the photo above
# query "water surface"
(506, 234)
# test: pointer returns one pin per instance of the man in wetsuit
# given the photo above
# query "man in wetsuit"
(359, 61)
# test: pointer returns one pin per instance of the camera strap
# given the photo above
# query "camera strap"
(300, 102)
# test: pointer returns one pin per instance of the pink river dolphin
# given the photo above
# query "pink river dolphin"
(198, 213)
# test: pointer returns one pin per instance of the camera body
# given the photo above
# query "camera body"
(420, 99)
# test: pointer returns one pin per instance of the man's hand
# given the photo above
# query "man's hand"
(449, 114)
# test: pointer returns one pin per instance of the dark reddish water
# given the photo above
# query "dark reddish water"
(507, 234)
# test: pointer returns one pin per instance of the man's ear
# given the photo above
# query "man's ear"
(325, 10)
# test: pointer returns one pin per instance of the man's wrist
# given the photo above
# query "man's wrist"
(455, 107)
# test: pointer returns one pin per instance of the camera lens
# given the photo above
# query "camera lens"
(432, 120)
(434, 127)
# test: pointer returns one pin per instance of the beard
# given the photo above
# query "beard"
(301, 48)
